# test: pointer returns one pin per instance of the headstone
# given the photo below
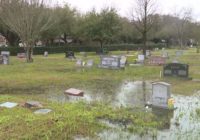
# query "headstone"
(74, 92)
(45, 54)
(8, 105)
(176, 69)
(161, 94)
(156, 60)
(3, 41)
(79, 63)
(165, 54)
(21, 55)
(42, 111)
(123, 61)
(30, 104)
(89, 63)
(140, 58)
(110, 62)
(148, 53)
(5, 55)
(70, 55)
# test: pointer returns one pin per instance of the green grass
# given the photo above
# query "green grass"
(21, 81)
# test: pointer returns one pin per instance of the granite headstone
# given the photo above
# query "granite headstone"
(176, 69)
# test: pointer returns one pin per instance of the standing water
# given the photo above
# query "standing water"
(182, 124)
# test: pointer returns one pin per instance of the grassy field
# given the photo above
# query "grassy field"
(20, 82)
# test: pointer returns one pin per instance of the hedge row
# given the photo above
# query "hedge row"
(62, 49)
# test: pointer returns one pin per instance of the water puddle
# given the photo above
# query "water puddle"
(129, 94)
(182, 124)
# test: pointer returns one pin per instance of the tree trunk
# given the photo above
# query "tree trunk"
(65, 38)
(145, 29)
(101, 44)
(144, 43)
(29, 51)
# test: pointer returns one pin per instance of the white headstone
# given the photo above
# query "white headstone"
(148, 53)
(43, 111)
(79, 62)
(141, 58)
(45, 54)
(8, 105)
(112, 62)
(161, 94)
(89, 63)
(123, 61)
(165, 54)
(5, 55)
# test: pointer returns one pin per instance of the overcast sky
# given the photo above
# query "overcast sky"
(124, 6)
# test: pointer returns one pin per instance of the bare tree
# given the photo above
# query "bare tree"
(183, 19)
(28, 19)
(143, 18)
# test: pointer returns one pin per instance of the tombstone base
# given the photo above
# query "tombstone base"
(159, 107)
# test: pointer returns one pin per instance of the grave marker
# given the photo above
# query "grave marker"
(90, 63)
(165, 54)
(46, 54)
(148, 53)
(8, 105)
(30, 104)
(140, 58)
(5, 55)
(123, 61)
(110, 62)
(74, 92)
(79, 63)
(42, 111)
(176, 69)
(161, 95)
(70, 55)
(156, 60)
(21, 55)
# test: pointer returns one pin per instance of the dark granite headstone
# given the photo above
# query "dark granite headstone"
(69, 54)
(176, 69)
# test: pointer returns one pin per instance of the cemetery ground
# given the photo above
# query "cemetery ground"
(47, 78)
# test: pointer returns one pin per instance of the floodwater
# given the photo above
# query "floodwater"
(129, 94)
(183, 123)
